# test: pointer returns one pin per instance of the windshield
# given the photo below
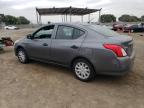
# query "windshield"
(102, 30)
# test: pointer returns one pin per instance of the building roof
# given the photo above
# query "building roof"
(65, 10)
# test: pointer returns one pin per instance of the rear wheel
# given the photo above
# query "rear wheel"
(22, 56)
(83, 70)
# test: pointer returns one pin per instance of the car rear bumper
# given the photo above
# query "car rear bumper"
(124, 66)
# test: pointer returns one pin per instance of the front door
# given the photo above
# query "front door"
(39, 46)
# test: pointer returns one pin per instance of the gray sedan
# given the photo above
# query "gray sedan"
(87, 49)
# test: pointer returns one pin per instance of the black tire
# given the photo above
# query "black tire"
(21, 52)
(90, 74)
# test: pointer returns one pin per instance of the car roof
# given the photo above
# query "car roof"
(76, 24)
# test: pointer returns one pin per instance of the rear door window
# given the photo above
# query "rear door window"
(66, 32)
(77, 33)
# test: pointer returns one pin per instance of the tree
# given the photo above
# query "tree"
(128, 18)
(134, 19)
(142, 18)
(8, 19)
(106, 18)
(22, 20)
(1, 18)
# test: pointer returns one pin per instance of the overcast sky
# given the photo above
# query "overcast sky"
(27, 7)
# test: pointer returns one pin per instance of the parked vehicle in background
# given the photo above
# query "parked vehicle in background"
(117, 27)
(108, 26)
(134, 28)
(129, 28)
(87, 49)
(11, 27)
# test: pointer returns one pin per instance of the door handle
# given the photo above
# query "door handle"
(45, 44)
(74, 47)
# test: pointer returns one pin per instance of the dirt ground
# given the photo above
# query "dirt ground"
(39, 85)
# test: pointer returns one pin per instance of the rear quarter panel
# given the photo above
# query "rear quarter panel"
(101, 58)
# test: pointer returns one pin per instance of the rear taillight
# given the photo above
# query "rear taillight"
(117, 49)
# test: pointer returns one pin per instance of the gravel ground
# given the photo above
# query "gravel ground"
(39, 85)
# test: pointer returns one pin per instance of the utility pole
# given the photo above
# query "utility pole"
(100, 15)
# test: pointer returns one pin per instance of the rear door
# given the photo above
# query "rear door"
(39, 46)
(66, 43)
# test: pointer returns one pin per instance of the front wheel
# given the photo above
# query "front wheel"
(83, 70)
(22, 56)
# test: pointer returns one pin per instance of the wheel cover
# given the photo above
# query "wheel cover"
(21, 56)
(82, 70)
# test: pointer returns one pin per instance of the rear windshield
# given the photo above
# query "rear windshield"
(103, 30)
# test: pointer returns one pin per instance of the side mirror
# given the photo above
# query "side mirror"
(29, 36)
